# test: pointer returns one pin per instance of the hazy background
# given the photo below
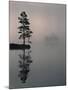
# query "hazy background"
(46, 20)
(48, 43)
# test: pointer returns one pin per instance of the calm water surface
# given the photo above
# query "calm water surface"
(46, 68)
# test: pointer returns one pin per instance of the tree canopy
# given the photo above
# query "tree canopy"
(24, 29)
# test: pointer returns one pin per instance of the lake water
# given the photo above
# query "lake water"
(46, 68)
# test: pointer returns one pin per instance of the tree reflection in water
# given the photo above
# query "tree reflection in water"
(24, 65)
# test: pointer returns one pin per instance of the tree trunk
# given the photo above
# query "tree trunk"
(24, 55)
(28, 39)
(24, 41)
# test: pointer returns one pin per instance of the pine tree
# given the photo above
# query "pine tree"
(24, 29)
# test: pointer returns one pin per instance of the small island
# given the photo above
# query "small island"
(14, 46)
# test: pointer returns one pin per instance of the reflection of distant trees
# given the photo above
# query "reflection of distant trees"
(24, 63)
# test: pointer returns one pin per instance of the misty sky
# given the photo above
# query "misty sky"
(47, 20)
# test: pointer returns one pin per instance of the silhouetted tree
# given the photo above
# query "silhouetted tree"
(24, 29)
